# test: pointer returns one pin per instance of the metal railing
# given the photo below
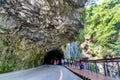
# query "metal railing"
(108, 67)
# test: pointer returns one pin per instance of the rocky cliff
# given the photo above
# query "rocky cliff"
(30, 28)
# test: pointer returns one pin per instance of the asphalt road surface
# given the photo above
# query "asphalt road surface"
(45, 72)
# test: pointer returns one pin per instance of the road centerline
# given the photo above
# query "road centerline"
(61, 75)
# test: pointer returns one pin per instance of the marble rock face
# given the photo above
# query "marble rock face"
(45, 22)
(31, 28)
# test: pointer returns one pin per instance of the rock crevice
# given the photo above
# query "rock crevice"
(37, 25)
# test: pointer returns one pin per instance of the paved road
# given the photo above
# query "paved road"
(45, 72)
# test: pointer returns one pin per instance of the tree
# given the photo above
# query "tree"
(102, 23)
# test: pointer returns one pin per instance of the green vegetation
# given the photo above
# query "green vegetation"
(102, 24)
(16, 53)
(28, 30)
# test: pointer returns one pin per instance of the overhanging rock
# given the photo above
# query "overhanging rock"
(31, 28)
(45, 22)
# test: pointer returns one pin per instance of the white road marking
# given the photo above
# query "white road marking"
(61, 75)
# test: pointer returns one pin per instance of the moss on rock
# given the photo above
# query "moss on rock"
(30, 28)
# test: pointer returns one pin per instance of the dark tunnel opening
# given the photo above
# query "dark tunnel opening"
(54, 56)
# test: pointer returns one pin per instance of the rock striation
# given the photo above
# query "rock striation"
(30, 28)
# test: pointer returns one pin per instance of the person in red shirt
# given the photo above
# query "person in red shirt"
(55, 61)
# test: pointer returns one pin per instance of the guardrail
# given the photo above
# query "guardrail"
(108, 67)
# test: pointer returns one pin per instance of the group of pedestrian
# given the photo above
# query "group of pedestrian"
(56, 62)
(70, 62)
(75, 63)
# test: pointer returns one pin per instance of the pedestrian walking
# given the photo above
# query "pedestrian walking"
(55, 61)
(62, 62)
(81, 64)
(71, 62)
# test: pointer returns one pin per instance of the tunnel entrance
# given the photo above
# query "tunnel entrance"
(54, 55)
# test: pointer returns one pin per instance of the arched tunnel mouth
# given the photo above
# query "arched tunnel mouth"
(54, 57)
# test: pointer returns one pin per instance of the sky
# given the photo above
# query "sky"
(99, 1)
(90, 2)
